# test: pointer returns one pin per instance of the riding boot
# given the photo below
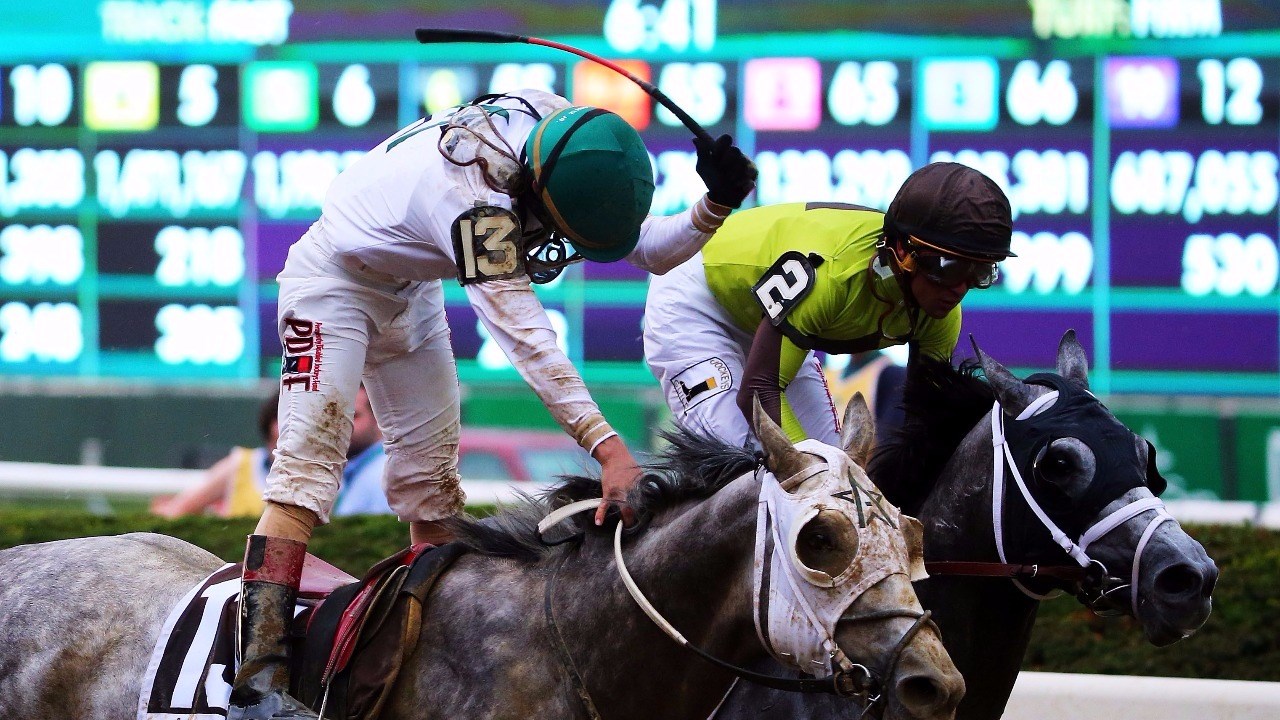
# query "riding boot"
(268, 588)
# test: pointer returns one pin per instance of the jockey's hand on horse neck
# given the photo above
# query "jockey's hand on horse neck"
(618, 474)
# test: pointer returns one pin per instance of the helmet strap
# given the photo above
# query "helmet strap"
(888, 257)
(902, 267)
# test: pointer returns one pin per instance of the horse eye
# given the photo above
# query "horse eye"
(1055, 464)
(827, 544)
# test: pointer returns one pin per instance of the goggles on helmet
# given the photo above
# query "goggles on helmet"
(948, 269)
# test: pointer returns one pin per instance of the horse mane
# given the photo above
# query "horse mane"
(941, 404)
(690, 467)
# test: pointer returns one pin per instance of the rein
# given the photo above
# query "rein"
(1067, 573)
(1096, 587)
(864, 684)
(575, 678)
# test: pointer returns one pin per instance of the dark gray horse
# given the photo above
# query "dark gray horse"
(81, 616)
(1084, 470)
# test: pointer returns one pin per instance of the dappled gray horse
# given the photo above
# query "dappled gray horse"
(1068, 504)
(799, 555)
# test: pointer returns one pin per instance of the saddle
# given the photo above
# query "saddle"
(374, 621)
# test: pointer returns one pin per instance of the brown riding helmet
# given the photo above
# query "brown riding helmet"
(953, 207)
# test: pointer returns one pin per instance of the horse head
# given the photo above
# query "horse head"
(1093, 489)
(833, 573)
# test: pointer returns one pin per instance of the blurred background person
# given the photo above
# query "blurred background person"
(879, 375)
(233, 486)
(360, 490)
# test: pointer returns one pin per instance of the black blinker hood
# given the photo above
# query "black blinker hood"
(1078, 414)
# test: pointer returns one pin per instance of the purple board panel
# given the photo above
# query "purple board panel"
(1225, 342)
(1023, 338)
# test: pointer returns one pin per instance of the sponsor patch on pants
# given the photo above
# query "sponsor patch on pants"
(303, 353)
(702, 381)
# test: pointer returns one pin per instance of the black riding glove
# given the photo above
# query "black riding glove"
(729, 175)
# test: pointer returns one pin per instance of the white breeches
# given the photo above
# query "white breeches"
(698, 355)
(341, 325)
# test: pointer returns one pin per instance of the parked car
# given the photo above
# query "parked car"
(538, 456)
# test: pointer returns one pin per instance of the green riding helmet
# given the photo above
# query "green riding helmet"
(592, 175)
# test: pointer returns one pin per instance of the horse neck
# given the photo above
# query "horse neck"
(957, 512)
(693, 564)
(985, 622)
(702, 551)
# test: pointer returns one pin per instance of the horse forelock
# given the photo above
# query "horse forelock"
(690, 467)
(941, 405)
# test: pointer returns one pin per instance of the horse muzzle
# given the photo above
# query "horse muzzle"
(1175, 601)
(911, 677)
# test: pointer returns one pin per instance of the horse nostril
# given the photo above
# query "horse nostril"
(921, 695)
(1180, 579)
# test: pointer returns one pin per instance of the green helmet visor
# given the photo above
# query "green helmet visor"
(593, 178)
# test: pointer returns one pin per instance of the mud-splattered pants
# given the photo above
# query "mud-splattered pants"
(340, 325)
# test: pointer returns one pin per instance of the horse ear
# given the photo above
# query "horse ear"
(858, 430)
(1013, 394)
(1073, 363)
(780, 456)
(913, 533)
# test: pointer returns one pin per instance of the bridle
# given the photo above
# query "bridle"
(851, 680)
(1095, 586)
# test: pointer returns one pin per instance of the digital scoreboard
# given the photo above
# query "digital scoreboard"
(157, 159)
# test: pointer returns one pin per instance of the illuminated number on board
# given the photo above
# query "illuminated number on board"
(41, 179)
(864, 93)
(992, 163)
(353, 99)
(960, 93)
(197, 95)
(1046, 262)
(1228, 265)
(41, 254)
(1051, 182)
(199, 256)
(630, 25)
(1033, 96)
(1146, 95)
(793, 176)
(199, 334)
(698, 88)
(48, 332)
(1243, 77)
(677, 185)
(870, 177)
(1175, 182)
(41, 95)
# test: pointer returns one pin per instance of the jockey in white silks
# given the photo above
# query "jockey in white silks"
(494, 195)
